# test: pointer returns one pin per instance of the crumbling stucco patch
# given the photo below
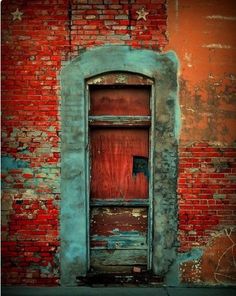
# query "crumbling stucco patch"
(215, 263)
(208, 110)
(219, 258)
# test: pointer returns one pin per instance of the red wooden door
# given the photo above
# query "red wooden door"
(119, 182)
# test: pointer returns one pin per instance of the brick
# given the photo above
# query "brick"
(213, 199)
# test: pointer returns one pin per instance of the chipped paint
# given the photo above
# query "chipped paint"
(173, 276)
(217, 45)
(116, 228)
(216, 263)
(123, 240)
(136, 212)
(221, 17)
(121, 78)
(98, 80)
(188, 59)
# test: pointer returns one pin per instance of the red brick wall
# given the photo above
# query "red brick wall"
(206, 188)
(207, 213)
(99, 22)
(34, 49)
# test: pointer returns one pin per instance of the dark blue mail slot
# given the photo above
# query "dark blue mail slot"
(140, 165)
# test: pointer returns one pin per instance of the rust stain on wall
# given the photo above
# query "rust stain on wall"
(207, 73)
(208, 111)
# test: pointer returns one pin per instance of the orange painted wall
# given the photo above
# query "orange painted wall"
(202, 33)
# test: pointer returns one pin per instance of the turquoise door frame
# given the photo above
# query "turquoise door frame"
(74, 229)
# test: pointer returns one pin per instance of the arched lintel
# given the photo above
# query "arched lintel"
(112, 58)
(119, 78)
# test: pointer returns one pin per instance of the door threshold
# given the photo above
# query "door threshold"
(120, 279)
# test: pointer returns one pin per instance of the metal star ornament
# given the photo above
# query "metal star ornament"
(17, 15)
(142, 14)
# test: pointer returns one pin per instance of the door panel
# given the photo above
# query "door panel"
(118, 228)
(112, 163)
(123, 101)
(118, 238)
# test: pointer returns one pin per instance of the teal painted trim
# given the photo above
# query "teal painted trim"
(119, 118)
(162, 69)
(151, 170)
(130, 203)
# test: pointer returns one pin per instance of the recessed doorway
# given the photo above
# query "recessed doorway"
(120, 207)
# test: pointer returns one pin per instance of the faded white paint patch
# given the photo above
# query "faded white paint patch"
(221, 17)
(190, 109)
(136, 213)
(188, 59)
(176, 15)
(217, 45)
(177, 8)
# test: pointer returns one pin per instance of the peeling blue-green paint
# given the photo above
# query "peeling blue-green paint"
(24, 150)
(162, 70)
(126, 233)
(9, 163)
(122, 240)
(173, 275)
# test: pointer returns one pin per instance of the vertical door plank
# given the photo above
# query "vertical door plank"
(112, 154)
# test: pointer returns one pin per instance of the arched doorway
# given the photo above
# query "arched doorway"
(81, 79)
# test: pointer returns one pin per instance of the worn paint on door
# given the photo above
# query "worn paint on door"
(113, 151)
(119, 184)
(118, 238)
(120, 101)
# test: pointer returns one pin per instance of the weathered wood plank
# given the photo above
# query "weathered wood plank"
(122, 221)
(107, 120)
(121, 203)
(101, 258)
(126, 269)
(137, 241)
